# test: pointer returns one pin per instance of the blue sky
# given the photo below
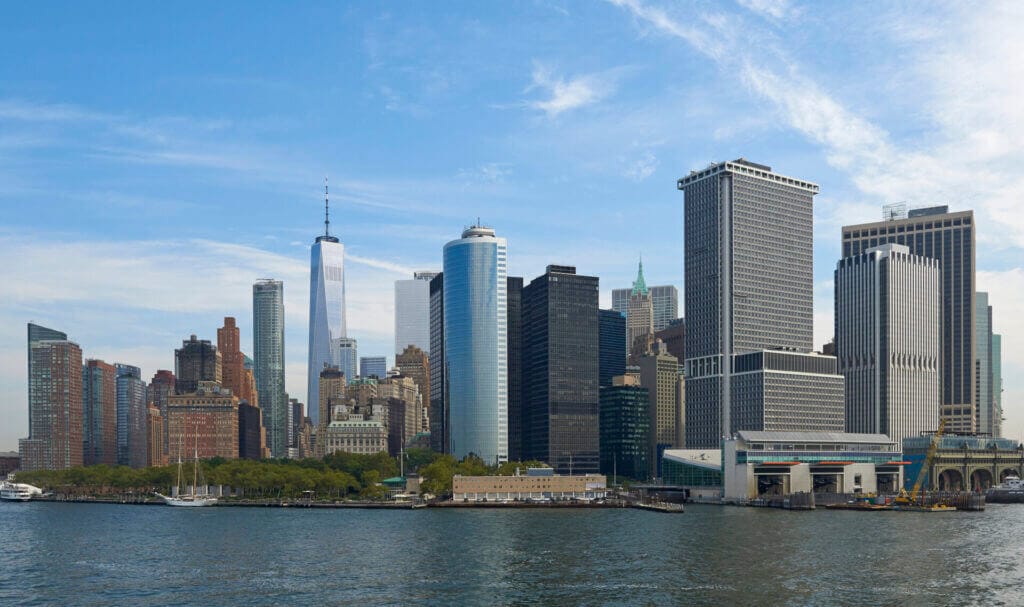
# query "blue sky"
(154, 162)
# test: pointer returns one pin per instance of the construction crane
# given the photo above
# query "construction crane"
(905, 498)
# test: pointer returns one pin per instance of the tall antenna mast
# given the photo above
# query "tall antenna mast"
(327, 210)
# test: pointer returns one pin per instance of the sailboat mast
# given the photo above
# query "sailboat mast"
(195, 465)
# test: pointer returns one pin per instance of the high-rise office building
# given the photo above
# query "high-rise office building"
(155, 455)
(38, 333)
(251, 434)
(132, 417)
(639, 317)
(161, 386)
(412, 312)
(331, 393)
(560, 370)
(514, 295)
(888, 341)
(664, 303)
(345, 356)
(373, 366)
(99, 413)
(439, 438)
(235, 376)
(948, 237)
(749, 284)
(268, 354)
(55, 387)
(997, 384)
(414, 363)
(611, 345)
(326, 309)
(476, 344)
(197, 360)
(985, 415)
(204, 420)
(625, 428)
(659, 374)
(674, 338)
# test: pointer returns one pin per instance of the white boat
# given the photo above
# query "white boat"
(18, 492)
(1010, 491)
(193, 499)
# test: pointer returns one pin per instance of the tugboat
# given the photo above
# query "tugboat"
(1010, 491)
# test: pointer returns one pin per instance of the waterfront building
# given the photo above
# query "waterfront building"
(206, 419)
(560, 370)
(10, 461)
(516, 386)
(537, 484)
(888, 340)
(268, 354)
(55, 407)
(373, 366)
(697, 471)
(99, 413)
(674, 338)
(161, 386)
(197, 360)
(37, 333)
(625, 428)
(440, 440)
(982, 460)
(326, 309)
(758, 464)
(749, 284)
(355, 429)
(611, 345)
(252, 438)
(412, 312)
(987, 418)
(155, 455)
(405, 410)
(659, 374)
(331, 392)
(639, 317)
(414, 363)
(780, 390)
(664, 301)
(475, 344)
(950, 238)
(132, 416)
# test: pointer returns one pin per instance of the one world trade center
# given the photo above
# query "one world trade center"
(326, 308)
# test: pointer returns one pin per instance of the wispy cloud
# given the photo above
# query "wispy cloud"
(564, 94)
(774, 9)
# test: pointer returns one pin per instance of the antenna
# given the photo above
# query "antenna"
(327, 210)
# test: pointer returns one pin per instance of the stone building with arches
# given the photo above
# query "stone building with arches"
(972, 463)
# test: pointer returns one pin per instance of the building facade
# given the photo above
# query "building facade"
(132, 417)
(161, 386)
(888, 341)
(99, 413)
(373, 366)
(659, 374)
(787, 391)
(625, 429)
(235, 376)
(415, 364)
(155, 455)
(440, 440)
(664, 301)
(412, 312)
(268, 355)
(331, 393)
(252, 438)
(560, 370)
(986, 416)
(55, 388)
(37, 333)
(963, 463)
(197, 360)
(327, 320)
(538, 484)
(203, 422)
(950, 238)
(639, 317)
(674, 338)
(611, 345)
(516, 388)
(476, 344)
(749, 281)
(355, 429)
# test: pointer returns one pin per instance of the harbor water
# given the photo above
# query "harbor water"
(98, 554)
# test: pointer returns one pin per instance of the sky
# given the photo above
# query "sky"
(156, 160)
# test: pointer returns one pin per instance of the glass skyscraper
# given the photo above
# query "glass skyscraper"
(344, 352)
(412, 312)
(326, 311)
(132, 416)
(268, 352)
(373, 366)
(611, 345)
(475, 344)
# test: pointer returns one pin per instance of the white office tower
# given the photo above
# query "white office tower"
(326, 307)
(888, 322)
(412, 312)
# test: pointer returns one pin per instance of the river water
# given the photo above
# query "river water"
(94, 554)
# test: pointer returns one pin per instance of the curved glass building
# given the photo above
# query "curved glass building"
(476, 348)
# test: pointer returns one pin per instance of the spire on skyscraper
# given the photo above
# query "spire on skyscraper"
(327, 211)
(640, 285)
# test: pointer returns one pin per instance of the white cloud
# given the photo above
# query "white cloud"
(642, 167)
(564, 95)
(774, 9)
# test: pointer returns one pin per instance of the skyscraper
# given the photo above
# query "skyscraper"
(625, 428)
(415, 364)
(659, 373)
(160, 388)
(664, 302)
(514, 336)
(268, 354)
(888, 318)
(639, 316)
(132, 417)
(326, 309)
(99, 413)
(412, 312)
(749, 283)
(373, 366)
(948, 237)
(997, 384)
(197, 360)
(439, 438)
(611, 345)
(55, 387)
(332, 393)
(475, 344)
(560, 370)
(985, 416)
(38, 333)
(235, 376)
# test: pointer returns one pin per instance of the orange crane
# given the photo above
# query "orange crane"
(907, 499)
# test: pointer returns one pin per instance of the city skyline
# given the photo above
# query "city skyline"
(145, 213)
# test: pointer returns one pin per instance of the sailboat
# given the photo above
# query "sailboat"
(193, 499)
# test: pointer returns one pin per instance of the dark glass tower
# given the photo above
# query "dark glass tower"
(438, 386)
(625, 431)
(515, 368)
(560, 370)
(611, 345)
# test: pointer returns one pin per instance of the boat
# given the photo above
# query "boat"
(1010, 491)
(18, 492)
(193, 499)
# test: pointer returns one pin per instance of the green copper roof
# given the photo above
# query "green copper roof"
(640, 285)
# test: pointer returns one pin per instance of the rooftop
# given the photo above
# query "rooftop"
(705, 458)
(813, 437)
